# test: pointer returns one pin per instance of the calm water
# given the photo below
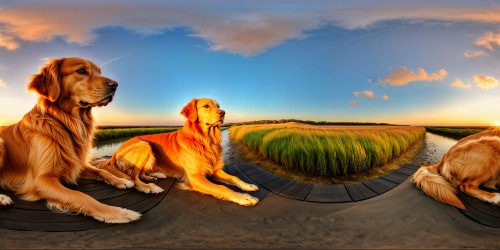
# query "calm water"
(109, 148)
(435, 146)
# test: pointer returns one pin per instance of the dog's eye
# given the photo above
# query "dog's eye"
(81, 71)
(206, 106)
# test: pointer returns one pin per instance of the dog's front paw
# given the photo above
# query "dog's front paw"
(120, 215)
(123, 183)
(495, 200)
(150, 188)
(5, 200)
(249, 187)
(246, 200)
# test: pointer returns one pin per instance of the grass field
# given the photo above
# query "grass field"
(108, 134)
(455, 133)
(327, 150)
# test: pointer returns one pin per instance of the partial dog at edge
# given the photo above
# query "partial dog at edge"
(51, 144)
(190, 154)
(474, 161)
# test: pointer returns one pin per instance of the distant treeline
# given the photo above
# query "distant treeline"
(456, 132)
(304, 121)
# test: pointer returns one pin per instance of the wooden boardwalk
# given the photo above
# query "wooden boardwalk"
(34, 216)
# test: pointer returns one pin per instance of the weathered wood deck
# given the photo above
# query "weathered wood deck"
(385, 212)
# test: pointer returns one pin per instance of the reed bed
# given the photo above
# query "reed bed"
(117, 133)
(327, 150)
(455, 133)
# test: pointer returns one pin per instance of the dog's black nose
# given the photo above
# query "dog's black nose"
(111, 84)
(222, 112)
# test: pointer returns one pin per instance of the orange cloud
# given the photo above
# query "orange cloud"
(2, 84)
(251, 36)
(366, 93)
(354, 103)
(459, 84)
(402, 76)
(246, 29)
(489, 40)
(8, 42)
(485, 82)
(475, 53)
(385, 98)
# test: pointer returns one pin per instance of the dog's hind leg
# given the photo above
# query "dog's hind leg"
(472, 188)
(4, 199)
(139, 159)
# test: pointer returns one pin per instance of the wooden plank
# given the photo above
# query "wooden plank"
(297, 190)
(261, 193)
(38, 216)
(245, 165)
(263, 177)
(482, 218)
(328, 193)
(253, 171)
(42, 219)
(405, 171)
(278, 185)
(379, 185)
(230, 169)
(359, 191)
(480, 206)
(414, 167)
(395, 177)
(88, 224)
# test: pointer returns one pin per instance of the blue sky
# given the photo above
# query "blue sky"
(431, 62)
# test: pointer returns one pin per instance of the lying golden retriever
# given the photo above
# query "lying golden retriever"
(190, 154)
(474, 161)
(51, 144)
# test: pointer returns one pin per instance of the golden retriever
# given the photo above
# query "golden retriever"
(190, 154)
(474, 161)
(51, 144)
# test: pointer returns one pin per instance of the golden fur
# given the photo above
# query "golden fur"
(474, 161)
(51, 144)
(190, 154)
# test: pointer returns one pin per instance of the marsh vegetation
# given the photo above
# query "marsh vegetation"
(327, 151)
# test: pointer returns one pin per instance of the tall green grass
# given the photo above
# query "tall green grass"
(117, 133)
(327, 152)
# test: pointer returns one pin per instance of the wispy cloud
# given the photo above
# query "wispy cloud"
(8, 42)
(475, 53)
(366, 93)
(459, 84)
(354, 103)
(385, 98)
(402, 76)
(489, 40)
(485, 82)
(2, 84)
(247, 29)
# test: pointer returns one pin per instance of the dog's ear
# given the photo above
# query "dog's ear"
(190, 111)
(48, 82)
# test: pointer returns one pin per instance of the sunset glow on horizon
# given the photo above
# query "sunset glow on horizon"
(416, 63)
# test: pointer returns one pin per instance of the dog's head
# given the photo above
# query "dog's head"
(205, 111)
(73, 83)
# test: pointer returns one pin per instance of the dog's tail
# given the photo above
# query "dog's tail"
(436, 186)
